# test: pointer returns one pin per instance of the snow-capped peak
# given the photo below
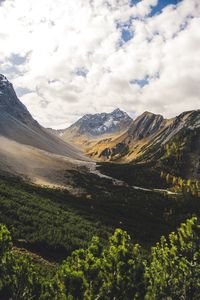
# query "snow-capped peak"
(101, 123)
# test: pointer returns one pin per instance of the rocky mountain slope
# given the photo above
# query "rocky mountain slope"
(128, 145)
(97, 125)
(17, 124)
(29, 150)
(174, 144)
(177, 147)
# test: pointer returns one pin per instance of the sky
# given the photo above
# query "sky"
(69, 58)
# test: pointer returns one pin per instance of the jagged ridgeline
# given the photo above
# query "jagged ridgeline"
(177, 148)
(149, 137)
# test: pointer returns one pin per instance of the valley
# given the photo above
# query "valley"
(100, 150)
(54, 222)
(130, 195)
(61, 188)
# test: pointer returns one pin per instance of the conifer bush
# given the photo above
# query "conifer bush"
(118, 270)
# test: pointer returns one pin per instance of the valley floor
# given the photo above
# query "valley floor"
(54, 222)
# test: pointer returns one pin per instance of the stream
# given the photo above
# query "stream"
(123, 183)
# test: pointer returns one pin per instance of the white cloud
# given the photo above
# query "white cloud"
(55, 40)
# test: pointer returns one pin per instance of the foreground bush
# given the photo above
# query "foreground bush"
(119, 270)
(174, 268)
(113, 272)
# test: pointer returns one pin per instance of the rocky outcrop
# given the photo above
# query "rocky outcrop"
(146, 125)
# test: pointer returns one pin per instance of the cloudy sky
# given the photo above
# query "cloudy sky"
(67, 58)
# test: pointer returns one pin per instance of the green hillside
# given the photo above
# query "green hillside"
(53, 223)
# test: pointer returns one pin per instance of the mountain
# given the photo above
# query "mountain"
(93, 126)
(128, 145)
(16, 123)
(172, 144)
(146, 125)
(28, 150)
(177, 148)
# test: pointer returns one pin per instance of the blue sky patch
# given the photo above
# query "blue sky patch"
(159, 7)
(126, 31)
(162, 4)
(1, 2)
(140, 82)
(81, 72)
(126, 35)
(17, 59)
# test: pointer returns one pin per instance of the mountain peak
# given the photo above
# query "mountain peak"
(119, 113)
(16, 123)
(3, 78)
(93, 125)
(117, 110)
(4, 84)
(150, 114)
(146, 125)
(10, 104)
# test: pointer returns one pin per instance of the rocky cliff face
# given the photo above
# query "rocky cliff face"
(181, 137)
(146, 125)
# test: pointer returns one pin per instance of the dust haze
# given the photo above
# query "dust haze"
(39, 166)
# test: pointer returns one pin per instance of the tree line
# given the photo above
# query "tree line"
(181, 185)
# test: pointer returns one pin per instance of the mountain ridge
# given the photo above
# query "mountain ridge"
(127, 145)
(16, 123)
(147, 138)
(100, 124)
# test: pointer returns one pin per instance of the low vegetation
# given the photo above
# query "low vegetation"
(53, 223)
(117, 270)
(49, 225)
(143, 175)
(187, 187)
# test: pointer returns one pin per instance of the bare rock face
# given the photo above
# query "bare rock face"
(142, 130)
(146, 125)
(97, 125)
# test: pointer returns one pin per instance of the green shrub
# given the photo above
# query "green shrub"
(174, 269)
(118, 270)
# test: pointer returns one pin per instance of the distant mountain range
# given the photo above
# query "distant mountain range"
(173, 144)
(115, 137)
(92, 126)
